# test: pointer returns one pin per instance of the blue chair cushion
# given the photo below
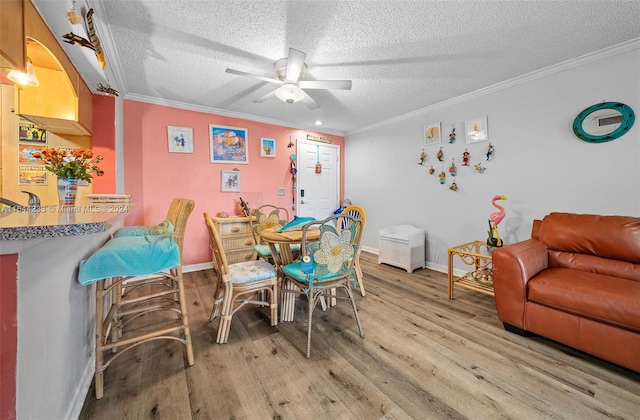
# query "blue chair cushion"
(262, 250)
(250, 271)
(294, 270)
(130, 256)
(265, 251)
(160, 229)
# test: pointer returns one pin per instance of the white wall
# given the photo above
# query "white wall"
(539, 164)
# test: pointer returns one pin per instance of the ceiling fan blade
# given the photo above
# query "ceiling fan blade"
(325, 84)
(255, 76)
(309, 102)
(260, 100)
(295, 61)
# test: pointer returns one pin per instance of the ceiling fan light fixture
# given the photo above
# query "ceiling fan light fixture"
(24, 79)
(289, 93)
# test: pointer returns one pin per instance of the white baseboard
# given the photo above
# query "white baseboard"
(196, 267)
(435, 267)
(82, 390)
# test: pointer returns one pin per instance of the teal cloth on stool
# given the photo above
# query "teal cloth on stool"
(160, 229)
(130, 256)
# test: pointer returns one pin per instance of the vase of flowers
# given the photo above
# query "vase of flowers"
(70, 166)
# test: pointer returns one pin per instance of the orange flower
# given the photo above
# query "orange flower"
(76, 163)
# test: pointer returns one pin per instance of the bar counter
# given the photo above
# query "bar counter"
(46, 345)
(55, 221)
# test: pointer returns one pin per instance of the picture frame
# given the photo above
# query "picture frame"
(180, 139)
(230, 181)
(32, 175)
(25, 153)
(268, 147)
(476, 130)
(228, 144)
(29, 132)
(432, 133)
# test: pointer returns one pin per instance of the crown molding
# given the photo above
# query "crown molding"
(618, 49)
(217, 111)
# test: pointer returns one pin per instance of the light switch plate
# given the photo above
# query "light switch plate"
(280, 191)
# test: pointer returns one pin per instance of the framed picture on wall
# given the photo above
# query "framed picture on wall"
(228, 144)
(180, 139)
(267, 147)
(29, 132)
(26, 151)
(32, 175)
(230, 181)
(476, 129)
(432, 133)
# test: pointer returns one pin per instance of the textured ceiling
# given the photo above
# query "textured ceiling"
(401, 55)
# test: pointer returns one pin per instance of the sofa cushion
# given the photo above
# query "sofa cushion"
(594, 264)
(615, 237)
(610, 300)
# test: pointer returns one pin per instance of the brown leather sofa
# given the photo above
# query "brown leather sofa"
(576, 281)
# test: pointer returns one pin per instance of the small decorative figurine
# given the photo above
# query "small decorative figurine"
(440, 155)
(431, 170)
(479, 168)
(442, 177)
(494, 219)
(452, 135)
(423, 156)
(454, 186)
(452, 169)
(245, 207)
(465, 158)
(291, 143)
(489, 152)
(294, 179)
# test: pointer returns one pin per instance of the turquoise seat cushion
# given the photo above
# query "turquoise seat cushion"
(294, 271)
(160, 229)
(130, 256)
(262, 250)
(250, 271)
(265, 251)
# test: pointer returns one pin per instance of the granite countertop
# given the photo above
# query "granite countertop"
(55, 221)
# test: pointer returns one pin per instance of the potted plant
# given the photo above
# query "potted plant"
(70, 166)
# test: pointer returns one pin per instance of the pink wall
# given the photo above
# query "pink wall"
(8, 335)
(153, 176)
(104, 142)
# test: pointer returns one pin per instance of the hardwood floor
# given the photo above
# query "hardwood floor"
(423, 357)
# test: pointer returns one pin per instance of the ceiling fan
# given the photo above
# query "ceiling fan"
(290, 73)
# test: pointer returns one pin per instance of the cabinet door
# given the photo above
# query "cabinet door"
(12, 39)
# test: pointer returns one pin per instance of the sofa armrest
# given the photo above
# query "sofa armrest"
(513, 266)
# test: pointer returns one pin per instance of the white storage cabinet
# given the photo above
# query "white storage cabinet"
(402, 246)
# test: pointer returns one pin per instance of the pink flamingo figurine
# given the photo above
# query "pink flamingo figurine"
(497, 217)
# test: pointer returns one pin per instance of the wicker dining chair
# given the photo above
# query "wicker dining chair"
(265, 217)
(239, 284)
(326, 264)
(359, 213)
(139, 272)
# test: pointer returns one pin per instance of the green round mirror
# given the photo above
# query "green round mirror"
(603, 122)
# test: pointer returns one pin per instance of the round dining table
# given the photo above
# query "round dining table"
(280, 246)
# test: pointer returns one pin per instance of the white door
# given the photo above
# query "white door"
(318, 193)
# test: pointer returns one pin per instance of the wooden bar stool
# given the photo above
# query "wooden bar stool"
(137, 272)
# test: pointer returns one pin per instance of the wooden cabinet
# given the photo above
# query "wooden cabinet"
(63, 103)
(236, 236)
(12, 37)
